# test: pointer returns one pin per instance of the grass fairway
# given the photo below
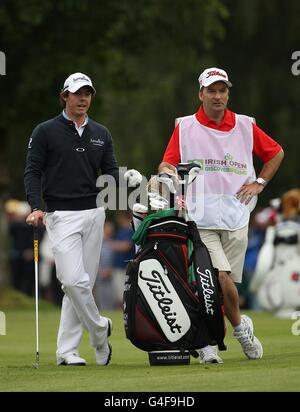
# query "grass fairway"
(129, 370)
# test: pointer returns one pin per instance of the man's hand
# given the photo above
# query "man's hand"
(169, 179)
(133, 177)
(246, 192)
(36, 216)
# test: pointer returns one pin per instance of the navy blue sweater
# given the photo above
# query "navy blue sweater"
(64, 166)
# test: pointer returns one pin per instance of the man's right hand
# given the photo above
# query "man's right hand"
(36, 216)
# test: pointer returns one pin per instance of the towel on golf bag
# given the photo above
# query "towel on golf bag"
(164, 308)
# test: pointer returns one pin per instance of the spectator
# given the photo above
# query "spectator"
(123, 248)
(21, 246)
(256, 237)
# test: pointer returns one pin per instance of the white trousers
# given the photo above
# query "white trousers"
(76, 238)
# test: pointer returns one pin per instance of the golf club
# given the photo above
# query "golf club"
(36, 275)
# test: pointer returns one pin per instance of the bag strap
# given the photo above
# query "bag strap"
(208, 288)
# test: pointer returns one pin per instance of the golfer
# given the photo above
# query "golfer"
(65, 155)
(223, 143)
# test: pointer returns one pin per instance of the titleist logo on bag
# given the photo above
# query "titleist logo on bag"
(163, 300)
(208, 289)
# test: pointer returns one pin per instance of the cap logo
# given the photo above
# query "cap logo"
(75, 79)
(215, 73)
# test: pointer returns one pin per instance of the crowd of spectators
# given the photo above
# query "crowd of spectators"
(118, 249)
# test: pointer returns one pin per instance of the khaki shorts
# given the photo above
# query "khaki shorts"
(227, 249)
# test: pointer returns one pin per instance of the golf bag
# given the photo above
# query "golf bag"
(276, 280)
(172, 299)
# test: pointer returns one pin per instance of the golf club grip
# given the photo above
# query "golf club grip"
(36, 244)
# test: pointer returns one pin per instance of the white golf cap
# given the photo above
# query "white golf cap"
(77, 80)
(213, 75)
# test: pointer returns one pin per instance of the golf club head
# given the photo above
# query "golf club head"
(193, 173)
(188, 172)
(36, 365)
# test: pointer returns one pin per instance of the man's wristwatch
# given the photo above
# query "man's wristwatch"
(261, 181)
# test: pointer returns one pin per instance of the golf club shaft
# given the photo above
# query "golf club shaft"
(36, 275)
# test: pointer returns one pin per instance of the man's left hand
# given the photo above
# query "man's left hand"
(247, 192)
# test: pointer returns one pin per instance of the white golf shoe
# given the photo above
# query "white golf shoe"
(251, 345)
(209, 354)
(71, 359)
(103, 353)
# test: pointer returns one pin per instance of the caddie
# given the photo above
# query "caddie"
(223, 143)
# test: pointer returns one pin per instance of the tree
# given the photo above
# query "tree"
(257, 48)
(143, 57)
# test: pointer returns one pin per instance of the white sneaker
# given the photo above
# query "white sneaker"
(71, 359)
(103, 353)
(251, 345)
(209, 354)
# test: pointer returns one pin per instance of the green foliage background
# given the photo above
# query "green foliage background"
(144, 58)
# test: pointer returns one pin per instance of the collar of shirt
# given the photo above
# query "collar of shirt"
(227, 123)
(79, 129)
